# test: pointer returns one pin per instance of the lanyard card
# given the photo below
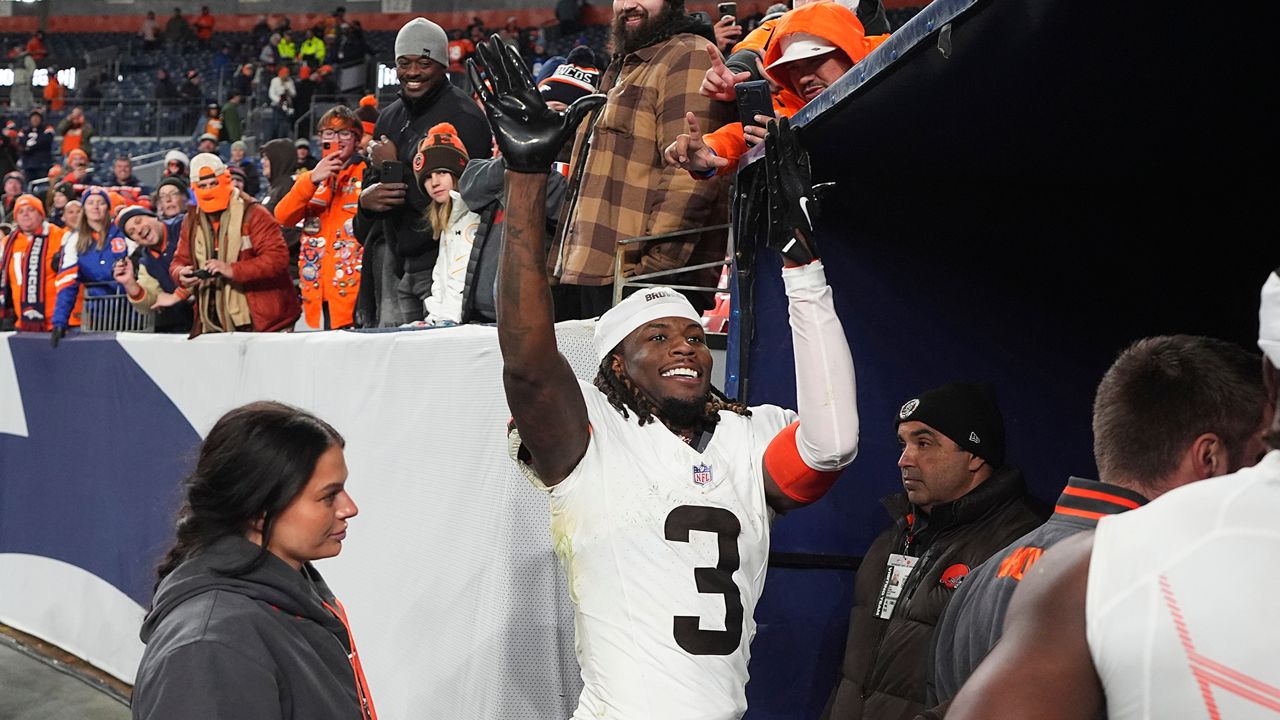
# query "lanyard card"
(895, 578)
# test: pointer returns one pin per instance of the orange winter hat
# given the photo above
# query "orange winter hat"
(30, 201)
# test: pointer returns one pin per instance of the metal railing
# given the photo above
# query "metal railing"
(138, 118)
(113, 313)
(305, 125)
(619, 282)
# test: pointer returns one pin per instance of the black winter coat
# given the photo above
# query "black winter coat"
(405, 123)
(886, 661)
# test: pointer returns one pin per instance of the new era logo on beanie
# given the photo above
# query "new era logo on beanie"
(967, 413)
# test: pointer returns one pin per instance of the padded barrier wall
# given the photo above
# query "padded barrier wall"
(457, 601)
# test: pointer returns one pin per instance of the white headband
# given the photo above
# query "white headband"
(1269, 319)
(643, 306)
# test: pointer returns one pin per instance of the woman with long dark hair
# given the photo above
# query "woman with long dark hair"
(242, 625)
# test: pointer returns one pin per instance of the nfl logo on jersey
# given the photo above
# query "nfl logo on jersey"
(701, 474)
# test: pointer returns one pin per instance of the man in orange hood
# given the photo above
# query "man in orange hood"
(811, 47)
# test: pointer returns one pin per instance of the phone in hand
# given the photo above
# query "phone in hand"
(753, 99)
(204, 274)
(326, 146)
(728, 9)
(392, 171)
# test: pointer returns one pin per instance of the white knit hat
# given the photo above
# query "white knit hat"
(420, 36)
(645, 305)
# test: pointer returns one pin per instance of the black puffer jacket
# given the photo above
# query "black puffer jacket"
(886, 661)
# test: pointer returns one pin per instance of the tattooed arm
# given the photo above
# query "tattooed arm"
(541, 389)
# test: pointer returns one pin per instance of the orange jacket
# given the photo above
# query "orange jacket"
(53, 93)
(825, 19)
(37, 49)
(330, 257)
(204, 27)
(18, 257)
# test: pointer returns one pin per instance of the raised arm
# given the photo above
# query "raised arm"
(542, 391)
(804, 460)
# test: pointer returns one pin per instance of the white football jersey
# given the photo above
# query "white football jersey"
(1181, 601)
(665, 550)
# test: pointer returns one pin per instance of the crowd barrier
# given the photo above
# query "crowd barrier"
(455, 595)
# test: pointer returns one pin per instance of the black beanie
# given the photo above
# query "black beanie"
(966, 412)
(175, 181)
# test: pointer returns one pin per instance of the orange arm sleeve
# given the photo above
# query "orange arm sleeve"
(789, 471)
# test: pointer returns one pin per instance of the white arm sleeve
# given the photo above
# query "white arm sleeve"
(826, 390)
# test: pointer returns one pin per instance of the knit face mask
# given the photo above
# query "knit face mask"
(213, 194)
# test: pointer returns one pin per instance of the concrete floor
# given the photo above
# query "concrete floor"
(39, 690)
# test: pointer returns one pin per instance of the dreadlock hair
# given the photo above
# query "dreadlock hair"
(623, 395)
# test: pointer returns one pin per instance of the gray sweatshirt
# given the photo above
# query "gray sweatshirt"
(261, 645)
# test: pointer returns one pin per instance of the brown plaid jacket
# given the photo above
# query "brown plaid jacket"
(621, 186)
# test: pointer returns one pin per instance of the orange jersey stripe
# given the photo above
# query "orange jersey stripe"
(1097, 495)
(1080, 513)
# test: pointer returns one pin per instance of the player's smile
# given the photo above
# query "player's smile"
(684, 374)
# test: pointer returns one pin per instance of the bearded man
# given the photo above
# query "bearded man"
(232, 258)
(619, 186)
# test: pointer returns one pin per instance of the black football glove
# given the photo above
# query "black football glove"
(794, 202)
(528, 133)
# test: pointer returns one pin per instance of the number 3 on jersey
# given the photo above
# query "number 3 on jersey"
(717, 580)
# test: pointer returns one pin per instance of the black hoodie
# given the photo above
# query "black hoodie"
(259, 645)
(283, 158)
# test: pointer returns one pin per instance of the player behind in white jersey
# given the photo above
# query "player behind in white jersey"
(661, 489)
(1166, 611)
